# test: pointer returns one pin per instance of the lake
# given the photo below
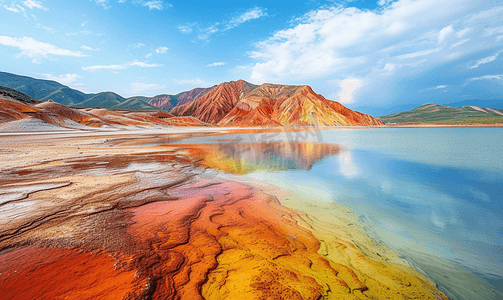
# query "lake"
(435, 195)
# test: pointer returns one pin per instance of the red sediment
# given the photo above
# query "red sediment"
(195, 240)
(57, 273)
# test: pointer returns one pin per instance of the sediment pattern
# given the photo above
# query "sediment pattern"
(152, 225)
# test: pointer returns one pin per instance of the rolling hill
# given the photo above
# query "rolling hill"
(434, 113)
(44, 90)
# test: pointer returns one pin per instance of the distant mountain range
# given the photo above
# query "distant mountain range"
(387, 110)
(44, 90)
(434, 113)
(235, 103)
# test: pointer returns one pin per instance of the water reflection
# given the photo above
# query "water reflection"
(244, 158)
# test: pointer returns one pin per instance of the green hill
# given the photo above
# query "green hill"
(103, 100)
(135, 103)
(44, 90)
(16, 95)
(433, 113)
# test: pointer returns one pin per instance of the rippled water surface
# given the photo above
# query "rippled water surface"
(427, 193)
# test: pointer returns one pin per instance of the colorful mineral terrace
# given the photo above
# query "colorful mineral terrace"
(118, 217)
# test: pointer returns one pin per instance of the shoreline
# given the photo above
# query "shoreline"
(93, 149)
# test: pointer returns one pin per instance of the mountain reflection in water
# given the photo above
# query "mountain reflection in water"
(242, 158)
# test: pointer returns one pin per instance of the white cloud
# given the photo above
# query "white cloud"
(440, 87)
(66, 79)
(445, 33)
(138, 45)
(206, 32)
(161, 50)
(45, 28)
(33, 4)
(332, 41)
(147, 55)
(216, 64)
(88, 48)
(252, 14)
(487, 77)
(485, 60)
(139, 87)
(103, 3)
(35, 49)
(348, 86)
(185, 28)
(197, 81)
(384, 2)
(492, 31)
(14, 8)
(157, 4)
(463, 32)
(459, 43)
(120, 67)
(143, 64)
(418, 53)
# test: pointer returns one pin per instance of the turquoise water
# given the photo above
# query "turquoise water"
(426, 192)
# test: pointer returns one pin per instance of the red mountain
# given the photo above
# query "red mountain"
(215, 104)
(243, 104)
(167, 102)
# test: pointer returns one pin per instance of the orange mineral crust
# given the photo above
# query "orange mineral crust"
(227, 240)
(57, 273)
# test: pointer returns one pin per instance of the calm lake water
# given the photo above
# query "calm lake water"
(435, 195)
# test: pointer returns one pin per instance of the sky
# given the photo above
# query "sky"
(361, 53)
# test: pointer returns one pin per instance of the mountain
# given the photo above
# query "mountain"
(282, 105)
(12, 93)
(494, 103)
(388, 110)
(441, 113)
(21, 113)
(44, 90)
(215, 104)
(102, 100)
(235, 103)
(167, 102)
(239, 103)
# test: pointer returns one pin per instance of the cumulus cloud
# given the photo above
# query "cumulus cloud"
(445, 33)
(67, 79)
(161, 50)
(120, 67)
(194, 82)
(252, 14)
(485, 60)
(348, 86)
(216, 64)
(332, 41)
(35, 49)
(138, 45)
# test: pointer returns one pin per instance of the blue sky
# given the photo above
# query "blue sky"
(361, 53)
